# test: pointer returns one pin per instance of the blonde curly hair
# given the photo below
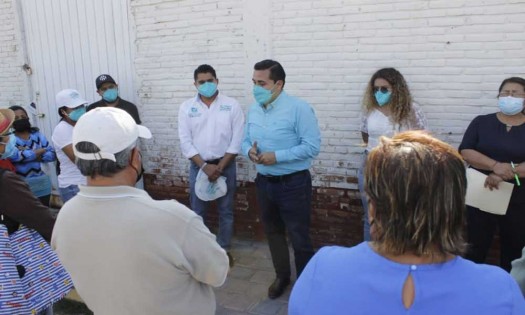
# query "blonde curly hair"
(401, 100)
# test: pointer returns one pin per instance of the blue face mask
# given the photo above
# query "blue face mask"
(77, 113)
(110, 95)
(10, 148)
(510, 105)
(207, 89)
(382, 98)
(262, 95)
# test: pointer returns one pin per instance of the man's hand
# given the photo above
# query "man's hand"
(212, 171)
(252, 154)
(267, 158)
(492, 181)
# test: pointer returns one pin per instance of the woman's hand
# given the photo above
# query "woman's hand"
(492, 181)
(503, 170)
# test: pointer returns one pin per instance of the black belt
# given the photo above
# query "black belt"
(281, 178)
(214, 162)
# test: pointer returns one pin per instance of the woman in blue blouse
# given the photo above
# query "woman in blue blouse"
(416, 187)
(33, 149)
(492, 144)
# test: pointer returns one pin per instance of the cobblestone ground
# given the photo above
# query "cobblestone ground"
(245, 289)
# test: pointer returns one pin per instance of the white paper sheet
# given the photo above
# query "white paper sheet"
(495, 201)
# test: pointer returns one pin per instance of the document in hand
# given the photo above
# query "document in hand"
(495, 201)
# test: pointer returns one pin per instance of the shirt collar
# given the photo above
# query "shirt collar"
(198, 100)
(108, 192)
(274, 103)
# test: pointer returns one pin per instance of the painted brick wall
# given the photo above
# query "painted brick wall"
(12, 84)
(453, 54)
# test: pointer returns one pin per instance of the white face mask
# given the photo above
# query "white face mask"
(510, 105)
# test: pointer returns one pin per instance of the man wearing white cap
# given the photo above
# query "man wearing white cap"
(71, 106)
(128, 253)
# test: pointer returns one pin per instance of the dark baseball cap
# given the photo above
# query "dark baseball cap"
(103, 78)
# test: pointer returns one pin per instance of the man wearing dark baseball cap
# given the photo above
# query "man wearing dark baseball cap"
(107, 88)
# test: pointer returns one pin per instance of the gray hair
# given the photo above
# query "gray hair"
(104, 167)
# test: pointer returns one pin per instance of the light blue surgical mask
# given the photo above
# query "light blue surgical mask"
(110, 95)
(510, 105)
(10, 148)
(382, 98)
(262, 95)
(77, 113)
(207, 89)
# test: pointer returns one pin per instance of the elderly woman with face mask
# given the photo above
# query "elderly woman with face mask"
(494, 144)
(416, 187)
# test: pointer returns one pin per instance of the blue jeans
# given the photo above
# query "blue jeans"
(68, 192)
(364, 200)
(286, 204)
(224, 204)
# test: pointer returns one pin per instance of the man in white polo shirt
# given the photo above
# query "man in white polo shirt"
(128, 253)
(210, 130)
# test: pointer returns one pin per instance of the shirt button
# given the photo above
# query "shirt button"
(413, 267)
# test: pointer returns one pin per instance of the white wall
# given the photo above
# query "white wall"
(12, 84)
(453, 53)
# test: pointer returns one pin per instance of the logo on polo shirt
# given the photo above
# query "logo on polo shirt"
(225, 108)
(194, 112)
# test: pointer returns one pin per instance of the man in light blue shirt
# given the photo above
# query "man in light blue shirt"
(282, 137)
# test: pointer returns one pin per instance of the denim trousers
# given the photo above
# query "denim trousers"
(68, 192)
(224, 203)
(364, 200)
(286, 206)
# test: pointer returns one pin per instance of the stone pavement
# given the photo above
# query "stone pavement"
(245, 290)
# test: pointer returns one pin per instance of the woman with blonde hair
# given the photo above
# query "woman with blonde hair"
(416, 187)
(388, 108)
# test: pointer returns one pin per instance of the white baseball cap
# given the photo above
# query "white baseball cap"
(206, 190)
(69, 98)
(111, 129)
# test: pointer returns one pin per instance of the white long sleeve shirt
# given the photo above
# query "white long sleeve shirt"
(210, 131)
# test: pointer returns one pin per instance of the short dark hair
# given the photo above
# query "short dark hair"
(104, 167)
(276, 70)
(417, 185)
(517, 80)
(17, 107)
(204, 69)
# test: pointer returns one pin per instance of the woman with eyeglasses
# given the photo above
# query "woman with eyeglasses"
(494, 144)
(32, 150)
(71, 106)
(388, 108)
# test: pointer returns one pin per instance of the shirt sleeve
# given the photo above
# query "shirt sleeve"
(21, 205)
(50, 154)
(470, 138)
(237, 130)
(246, 144)
(420, 120)
(208, 262)
(518, 271)
(364, 122)
(186, 143)
(307, 129)
(61, 137)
